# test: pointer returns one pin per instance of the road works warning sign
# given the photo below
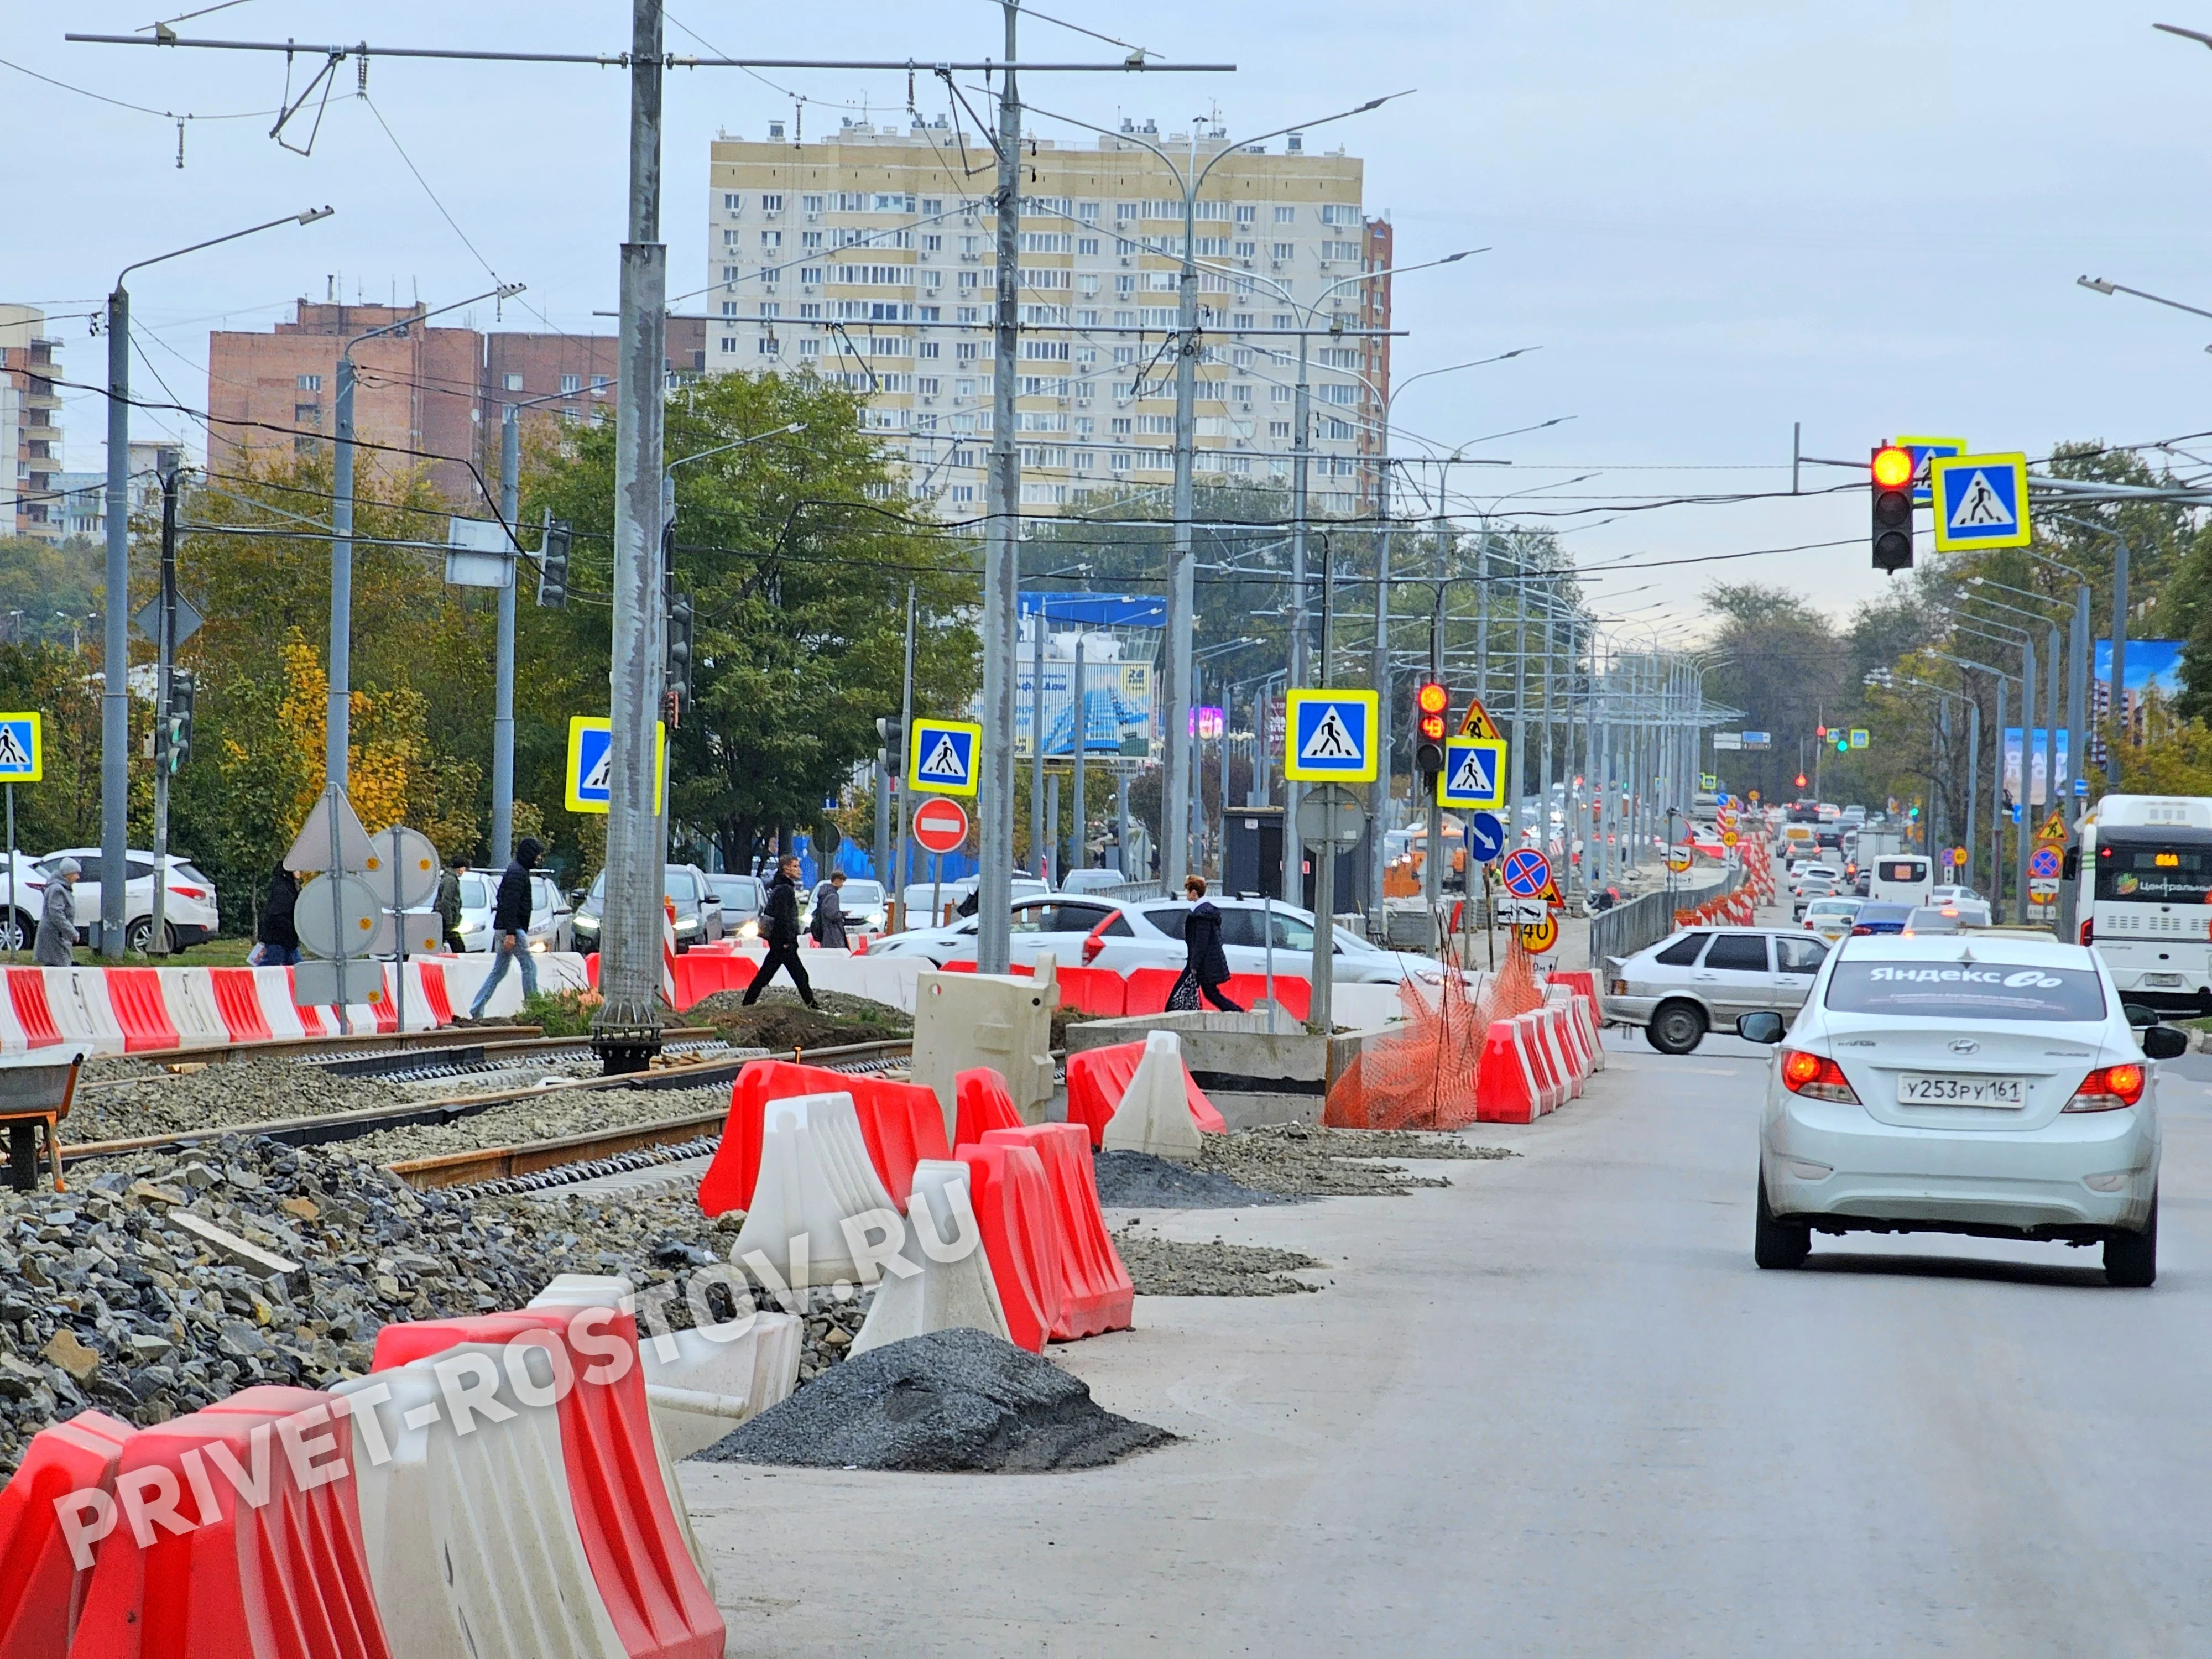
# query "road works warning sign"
(1331, 736)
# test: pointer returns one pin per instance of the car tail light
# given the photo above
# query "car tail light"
(1816, 1077)
(2108, 1088)
(189, 892)
(2089, 933)
(1619, 988)
(1863, 931)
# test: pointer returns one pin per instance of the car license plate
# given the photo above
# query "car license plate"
(1924, 1088)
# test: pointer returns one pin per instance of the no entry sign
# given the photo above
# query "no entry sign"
(939, 825)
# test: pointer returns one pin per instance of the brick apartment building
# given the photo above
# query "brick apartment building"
(427, 388)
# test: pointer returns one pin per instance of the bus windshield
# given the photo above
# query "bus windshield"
(2154, 873)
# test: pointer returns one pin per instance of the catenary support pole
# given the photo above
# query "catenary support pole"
(2122, 727)
(903, 874)
(1294, 886)
(1082, 703)
(1001, 567)
(502, 691)
(164, 668)
(115, 689)
(1179, 693)
(1038, 866)
(626, 1030)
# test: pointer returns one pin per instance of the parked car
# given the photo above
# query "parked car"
(1124, 933)
(1092, 881)
(698, 915)
(1707, 979)
(1830, 918)
(551, 920)
(1997, 1087)
(189, 910)
(740, 898)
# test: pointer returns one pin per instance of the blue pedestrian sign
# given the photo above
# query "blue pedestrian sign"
(1473, 774)
(1485, 837)
(1331, 736)
(23, 749)
(944, 757)
(591, 764)
(1527, 873)
(1981, 500)
(1925, 452)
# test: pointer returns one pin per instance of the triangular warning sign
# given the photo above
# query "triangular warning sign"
(1981, 507)
(1331, 739)
(943, 760)
(1476, 723)
(13, 758)
(311, 849)
(2054, 827)
(1471, 779)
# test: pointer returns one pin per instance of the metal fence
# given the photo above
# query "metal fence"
(1627, 928)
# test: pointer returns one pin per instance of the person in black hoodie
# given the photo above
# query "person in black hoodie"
(1205, 964)
(780, 927)
(280, 935)
(510, 926)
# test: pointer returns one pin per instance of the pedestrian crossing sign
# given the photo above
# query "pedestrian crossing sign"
(1331, 736)
(591, 764)
(23, 749)
(1925, 452)
(1981, 500)
(943, 757)
(1475, 774)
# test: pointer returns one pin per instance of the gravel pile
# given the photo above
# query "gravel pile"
(152, 1102)
(1168, 1267)
(951, 1402)
(1138, 1181)
(107, 1300)
(1305, 1161)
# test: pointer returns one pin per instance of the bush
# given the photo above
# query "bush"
(562, 1013)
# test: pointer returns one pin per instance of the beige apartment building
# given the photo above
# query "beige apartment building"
(30, 426)
(869, 256)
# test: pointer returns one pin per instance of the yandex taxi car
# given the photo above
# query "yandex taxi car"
(1988, 1084)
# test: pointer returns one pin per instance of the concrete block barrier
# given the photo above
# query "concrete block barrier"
(952, 1285)
(1003, 1021)
(815, 1177)
(192, 1567)
(1099, 1078)
(471, 1537)
(41, 1586)
(1014, 1214)
(1095, 1291)
(984, 1105)
(640, 1555)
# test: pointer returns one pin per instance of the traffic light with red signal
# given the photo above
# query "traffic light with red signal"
(1891, 474)
(1430, 701)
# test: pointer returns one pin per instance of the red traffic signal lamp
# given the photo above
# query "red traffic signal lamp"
(1821, 733)
(1430, 701)
(1891, 473)
(1800, 780)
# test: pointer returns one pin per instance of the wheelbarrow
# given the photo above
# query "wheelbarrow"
(34, 1095)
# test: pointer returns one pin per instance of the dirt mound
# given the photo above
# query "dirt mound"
(950, 1402)
(1138, 1181)
(780, 1021)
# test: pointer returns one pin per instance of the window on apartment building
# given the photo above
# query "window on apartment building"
(769, 346)
(933, 280)
(729, 345)
(1214, 247)
(925, 384)
(810, 203)
(1121, 426)
(732, 237)
(1278, 429)
(810, 348)
(1242, 393)
(1127, 210)
(964, 494)
(511, 382)
(810, 239)
(1247, 250)
(599, 384)
(771, 239)
(1087, 212)
(571, 384)
(810, 312)
(1282, 250)
(1241, 322)
(729, 273)
(926, 348)
(966, 351)
(307, 414)
(1286, 216)
(770, 309)
(772, 203)
(1282, 319)
(811, 275)
(1086, 245)
(729, 308)
(1339, 213)
(1125, 282)
(733, 201)
(933, 206)
(1124, 356)
(933, 244)
(310, 383)
(1280, 394)
(1247, 213)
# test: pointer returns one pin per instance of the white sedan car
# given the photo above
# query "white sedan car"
(1981, 1083)
(1090, 931)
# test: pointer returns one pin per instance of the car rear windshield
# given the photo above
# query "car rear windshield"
(2155, 874)
(1966, 990)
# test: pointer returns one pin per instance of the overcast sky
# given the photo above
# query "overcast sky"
(1717, 219)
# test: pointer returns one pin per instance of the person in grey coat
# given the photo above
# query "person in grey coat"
(829, 927)
(57, 920)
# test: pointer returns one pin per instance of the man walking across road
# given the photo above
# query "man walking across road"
(780, 927)
(510, 926)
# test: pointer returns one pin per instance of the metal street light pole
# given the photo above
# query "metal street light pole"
(2051, 695)
(115, 691)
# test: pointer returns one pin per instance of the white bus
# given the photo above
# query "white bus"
(1900, 878)
(2143, 898)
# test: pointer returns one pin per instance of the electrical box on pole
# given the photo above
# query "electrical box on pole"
(1891, 475)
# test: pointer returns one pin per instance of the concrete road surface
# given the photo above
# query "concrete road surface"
(1554, 1410)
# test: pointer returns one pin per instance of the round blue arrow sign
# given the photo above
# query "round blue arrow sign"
(1486, 835)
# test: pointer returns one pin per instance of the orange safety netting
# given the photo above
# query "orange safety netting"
(1422, 1074)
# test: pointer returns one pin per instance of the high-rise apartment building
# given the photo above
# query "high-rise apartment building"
(30, 426)
(871, 256)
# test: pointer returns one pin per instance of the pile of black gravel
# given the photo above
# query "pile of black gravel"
(951, 1402)
(1138, 1181)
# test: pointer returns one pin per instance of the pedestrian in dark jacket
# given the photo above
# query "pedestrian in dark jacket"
(780, 927)
(829, 929)
(280, 931)
(1205, 964)
(448, 904)
(58, 918)
(510, 926)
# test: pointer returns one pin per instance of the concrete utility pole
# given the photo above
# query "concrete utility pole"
(165, 651)
(995, 891)
(626, 1030)
(502, 695)
(1039, 866)
(1083, 744)
(115, 689)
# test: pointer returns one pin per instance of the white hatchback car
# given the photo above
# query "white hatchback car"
(1981, 1083)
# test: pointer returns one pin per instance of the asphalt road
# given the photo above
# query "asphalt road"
(1555, 1410)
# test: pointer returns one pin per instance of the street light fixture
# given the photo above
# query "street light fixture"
(115, 693)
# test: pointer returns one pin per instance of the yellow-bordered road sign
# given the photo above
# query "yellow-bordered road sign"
(591, 772)
(1980, 501)
(1331, 736)
(1924, 450)
(1476, 722)
(22, 747)
(1475, 773)
(1538, 937)
(944, 757)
